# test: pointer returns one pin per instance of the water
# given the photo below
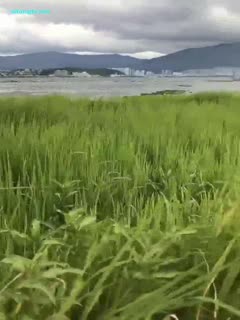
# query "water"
(106, 87)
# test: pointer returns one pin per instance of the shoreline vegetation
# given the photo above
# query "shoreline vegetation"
(120, 209)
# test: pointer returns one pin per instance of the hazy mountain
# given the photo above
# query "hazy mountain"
(47, 60)
(223, 55)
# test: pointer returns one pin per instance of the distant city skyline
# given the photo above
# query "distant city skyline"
(140, 28)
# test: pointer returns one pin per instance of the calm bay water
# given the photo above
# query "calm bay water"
(106, 87)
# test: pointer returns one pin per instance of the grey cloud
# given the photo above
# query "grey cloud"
(133, 25)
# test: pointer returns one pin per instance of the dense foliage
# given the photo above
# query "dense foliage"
(124, 209)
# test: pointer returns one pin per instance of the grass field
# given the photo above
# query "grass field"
(125, 209)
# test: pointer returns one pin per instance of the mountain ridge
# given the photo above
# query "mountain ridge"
(221, 55)
(52, 59)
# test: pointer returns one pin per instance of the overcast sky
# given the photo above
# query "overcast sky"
(146, 27)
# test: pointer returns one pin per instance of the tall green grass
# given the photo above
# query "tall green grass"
(120, 209)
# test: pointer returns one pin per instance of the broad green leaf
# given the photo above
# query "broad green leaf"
(18, 263)
(86, 222)
(56, 272)
(36, 229)
(38, 286)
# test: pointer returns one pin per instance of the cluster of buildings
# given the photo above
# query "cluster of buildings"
(17, 73)
(214, 72)
(129, 72)
(32, 73)
(66, 73)
(233, 73)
